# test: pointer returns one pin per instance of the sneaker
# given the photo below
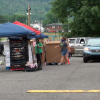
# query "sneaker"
(59, 64)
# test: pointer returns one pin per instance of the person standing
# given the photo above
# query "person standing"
(64, 50)
(68, 47)
(69, 51)
(43, 51)
(38, 49)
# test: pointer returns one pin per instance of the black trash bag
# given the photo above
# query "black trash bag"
(29, 69)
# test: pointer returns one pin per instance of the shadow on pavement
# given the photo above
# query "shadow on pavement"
(96, 61)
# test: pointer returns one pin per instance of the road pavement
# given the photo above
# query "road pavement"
(77, 76)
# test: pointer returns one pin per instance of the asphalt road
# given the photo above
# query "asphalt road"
(77, 76)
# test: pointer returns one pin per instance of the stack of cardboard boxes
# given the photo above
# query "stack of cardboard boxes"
(53, 54)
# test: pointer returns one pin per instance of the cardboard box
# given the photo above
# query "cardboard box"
(53, 54)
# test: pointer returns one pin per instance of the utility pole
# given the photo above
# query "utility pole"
(55, 27)
(29, 14)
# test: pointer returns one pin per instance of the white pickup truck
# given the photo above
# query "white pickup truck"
(78, 44)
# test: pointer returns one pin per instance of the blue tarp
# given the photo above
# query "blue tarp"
(10, 29)
(39, 36)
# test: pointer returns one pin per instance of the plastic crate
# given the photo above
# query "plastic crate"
(8, 68)
(18, 65)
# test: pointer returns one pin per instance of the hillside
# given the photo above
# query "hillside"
(10, 7)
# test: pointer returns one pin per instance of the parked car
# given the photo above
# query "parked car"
(78, 44)
(91, 50)
(1, 48)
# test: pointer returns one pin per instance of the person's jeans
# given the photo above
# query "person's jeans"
(64, 52)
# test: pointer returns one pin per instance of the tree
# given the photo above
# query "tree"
(2, 19)
(20, 18)
(12, 7)
(65, 8)
(50, 18)
(86, 15)
(7, 18)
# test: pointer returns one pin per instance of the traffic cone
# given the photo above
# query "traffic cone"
(45, 64)
(68, 61)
